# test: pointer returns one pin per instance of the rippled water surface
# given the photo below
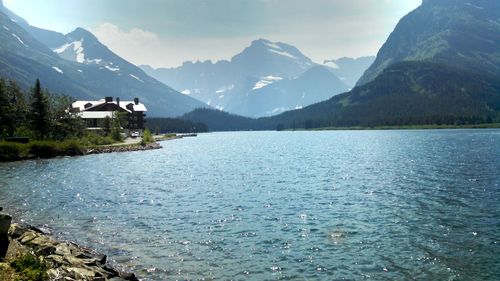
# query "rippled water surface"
(355, 205)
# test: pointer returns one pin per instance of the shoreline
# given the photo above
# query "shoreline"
(79, 150)
(65, 260)
(121, 148)
(408, 127)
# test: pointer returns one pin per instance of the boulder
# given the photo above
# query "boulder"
(5, 221)
(17, 230)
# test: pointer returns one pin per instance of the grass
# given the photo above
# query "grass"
(29, 267)
(165, 137)
(11, 151)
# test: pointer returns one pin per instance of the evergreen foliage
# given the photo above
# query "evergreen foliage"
(39, 112)
(174, 125)
(36, 114)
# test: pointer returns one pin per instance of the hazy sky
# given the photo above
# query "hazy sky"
(164, 33)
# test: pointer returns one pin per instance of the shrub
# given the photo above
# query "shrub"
(10, 151)
(30, 268)
(71, 148)
(95, 139)
(44, 149)
(147, 137)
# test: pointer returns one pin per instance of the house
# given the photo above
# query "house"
(94, 113)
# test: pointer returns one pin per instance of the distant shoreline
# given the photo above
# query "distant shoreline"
(407, 127)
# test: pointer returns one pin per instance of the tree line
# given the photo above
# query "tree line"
(36, 114)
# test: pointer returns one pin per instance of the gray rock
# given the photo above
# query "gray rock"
(17, 230)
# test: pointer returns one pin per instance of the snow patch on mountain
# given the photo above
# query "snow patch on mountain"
(331, 64)
(282, 53)
(224, 89)
(19, 39)
(6, 28)
(57, 69)
(266, 81)
(273, 45)
(96, 61)
(186, 92)
(475, 6)
(113, 68)
(77, 49)
(136, 78)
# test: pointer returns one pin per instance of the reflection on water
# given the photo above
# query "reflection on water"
(279, 205)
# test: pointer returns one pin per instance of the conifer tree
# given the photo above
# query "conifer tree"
(3, 107)
(40, 113)
(18, 109)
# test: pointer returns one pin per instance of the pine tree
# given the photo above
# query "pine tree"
(106, 127)
(3, 107)
(40, 113)
(18, 110)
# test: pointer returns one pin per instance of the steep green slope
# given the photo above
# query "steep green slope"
(406, 93)
(461, 33)
(24, 59)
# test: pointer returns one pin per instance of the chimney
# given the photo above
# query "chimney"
(118, 101)
(108, 99)
(136, 101)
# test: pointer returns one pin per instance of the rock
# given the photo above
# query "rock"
(129, 276)
(68, 260)
(27, 237)
(57, 260)
(81, 273)
(63, 249)
(17, 230)
(5, 221)
(41, 244)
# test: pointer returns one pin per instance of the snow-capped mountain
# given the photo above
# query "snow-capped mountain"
(231, 85)
(274, 95)
(78, 65)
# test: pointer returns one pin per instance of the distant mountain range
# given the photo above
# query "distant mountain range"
(266, 78)
(440, 65)
(78, 65)
(349, 70)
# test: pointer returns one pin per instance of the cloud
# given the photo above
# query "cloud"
(322, 30)
(144, 47)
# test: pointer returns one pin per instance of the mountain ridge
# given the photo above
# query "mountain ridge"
(24, 59)
(233, 84)
(457, 32)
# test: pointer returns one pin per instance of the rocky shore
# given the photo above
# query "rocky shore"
(122, 148)
(64, 260)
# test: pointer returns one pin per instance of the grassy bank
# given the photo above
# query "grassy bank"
(12, 151)
(165, 137)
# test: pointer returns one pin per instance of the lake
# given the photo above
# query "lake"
(376, 205)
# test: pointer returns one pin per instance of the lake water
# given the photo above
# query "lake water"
(356, 205)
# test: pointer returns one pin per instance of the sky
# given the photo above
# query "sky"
(165, 33)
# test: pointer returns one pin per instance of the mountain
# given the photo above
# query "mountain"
(314, 85)
(242, 84)
(406, 93)
(220, 121)
(349, 70)
(451, 76)
(462, 33)
(85, 69)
